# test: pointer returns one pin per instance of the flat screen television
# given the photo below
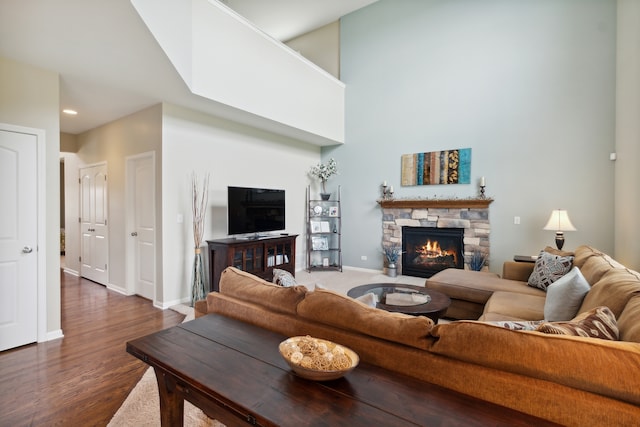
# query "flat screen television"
(254, 210)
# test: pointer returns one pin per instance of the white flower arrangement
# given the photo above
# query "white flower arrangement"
(324, 171)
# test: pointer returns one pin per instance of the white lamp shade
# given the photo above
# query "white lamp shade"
(559, 221)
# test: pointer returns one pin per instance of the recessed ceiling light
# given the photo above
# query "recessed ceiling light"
(70, 112)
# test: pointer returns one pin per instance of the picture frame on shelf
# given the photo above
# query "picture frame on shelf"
(325, 262)
(320, 243)
(316, 227)
(324, 227)
(334, 211)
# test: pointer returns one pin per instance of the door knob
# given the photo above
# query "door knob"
(27, 250)
(134, 234)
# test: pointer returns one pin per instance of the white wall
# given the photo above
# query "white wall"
(112, 143)
(627, 205)
(29, 97)
(224, 58)
(529, 85)
(71, 210)
(68, 148)
(233, 155)
(321, 46)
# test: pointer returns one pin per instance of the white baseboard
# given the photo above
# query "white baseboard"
(364, 270)
(168, 304)
(70, 271)
(346, 267)
(53, 335)
(119, 289)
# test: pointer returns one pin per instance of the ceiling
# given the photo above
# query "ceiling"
(109, 63)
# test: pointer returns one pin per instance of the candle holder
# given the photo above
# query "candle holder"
(387, 192)
(482, 195)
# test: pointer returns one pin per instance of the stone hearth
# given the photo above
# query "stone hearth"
(472, 215)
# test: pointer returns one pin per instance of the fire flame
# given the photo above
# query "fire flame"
(432, 250)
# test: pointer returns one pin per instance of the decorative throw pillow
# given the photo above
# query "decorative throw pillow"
(599, 322)
(525, 325)
(564, 296)
(283, 278)
(554, 251)
(548, 269)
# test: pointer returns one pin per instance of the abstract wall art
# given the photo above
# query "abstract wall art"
(437, 167)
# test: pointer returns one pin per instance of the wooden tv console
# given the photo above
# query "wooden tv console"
(257, 256)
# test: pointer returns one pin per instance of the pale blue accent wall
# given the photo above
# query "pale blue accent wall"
(529, 85)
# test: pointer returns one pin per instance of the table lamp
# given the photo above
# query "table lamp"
(559, 222)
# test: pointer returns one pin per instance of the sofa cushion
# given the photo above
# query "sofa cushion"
(629, 321)
(549, 268)
(613, 290)
(341, 311)
(516, 306)
(498, 317)
(559, 252)
(597, 323)
(559, 358)
(246, 286)
(594, 264)
(474, 286)
(565, 295)
(583, 253)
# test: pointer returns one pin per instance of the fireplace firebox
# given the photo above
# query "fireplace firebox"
(428, 250)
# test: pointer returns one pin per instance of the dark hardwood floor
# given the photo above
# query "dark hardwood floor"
(83, 378)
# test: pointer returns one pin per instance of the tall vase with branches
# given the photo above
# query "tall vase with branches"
(323, 172)
(199, 199)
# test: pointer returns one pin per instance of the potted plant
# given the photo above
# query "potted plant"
(478, 260)
(392, 253)
(323, 172)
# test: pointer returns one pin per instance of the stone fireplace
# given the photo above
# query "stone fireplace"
(467, 218)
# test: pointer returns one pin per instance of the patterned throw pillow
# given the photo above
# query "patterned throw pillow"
(524, 325)
(599, 322)
(283, 278)
(548, 269)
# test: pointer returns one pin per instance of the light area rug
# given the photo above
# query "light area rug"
(142, 407)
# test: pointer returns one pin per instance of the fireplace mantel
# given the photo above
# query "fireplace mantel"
(435, 203)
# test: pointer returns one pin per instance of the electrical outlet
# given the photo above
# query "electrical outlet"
(363, 258)
(516, 220)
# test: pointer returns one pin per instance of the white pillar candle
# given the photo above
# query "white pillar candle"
(482, 182)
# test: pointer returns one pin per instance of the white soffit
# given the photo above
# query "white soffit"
(223, 57)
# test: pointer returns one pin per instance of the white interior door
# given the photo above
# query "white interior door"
(18, 239)
(94, 232)
(142, 175)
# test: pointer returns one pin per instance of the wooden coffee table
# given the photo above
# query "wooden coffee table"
(408, 299)
(233, 372)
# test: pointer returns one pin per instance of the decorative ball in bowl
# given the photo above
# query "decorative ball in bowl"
(317, 359)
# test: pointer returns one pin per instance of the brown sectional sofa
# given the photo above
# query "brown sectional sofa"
(567, 379)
